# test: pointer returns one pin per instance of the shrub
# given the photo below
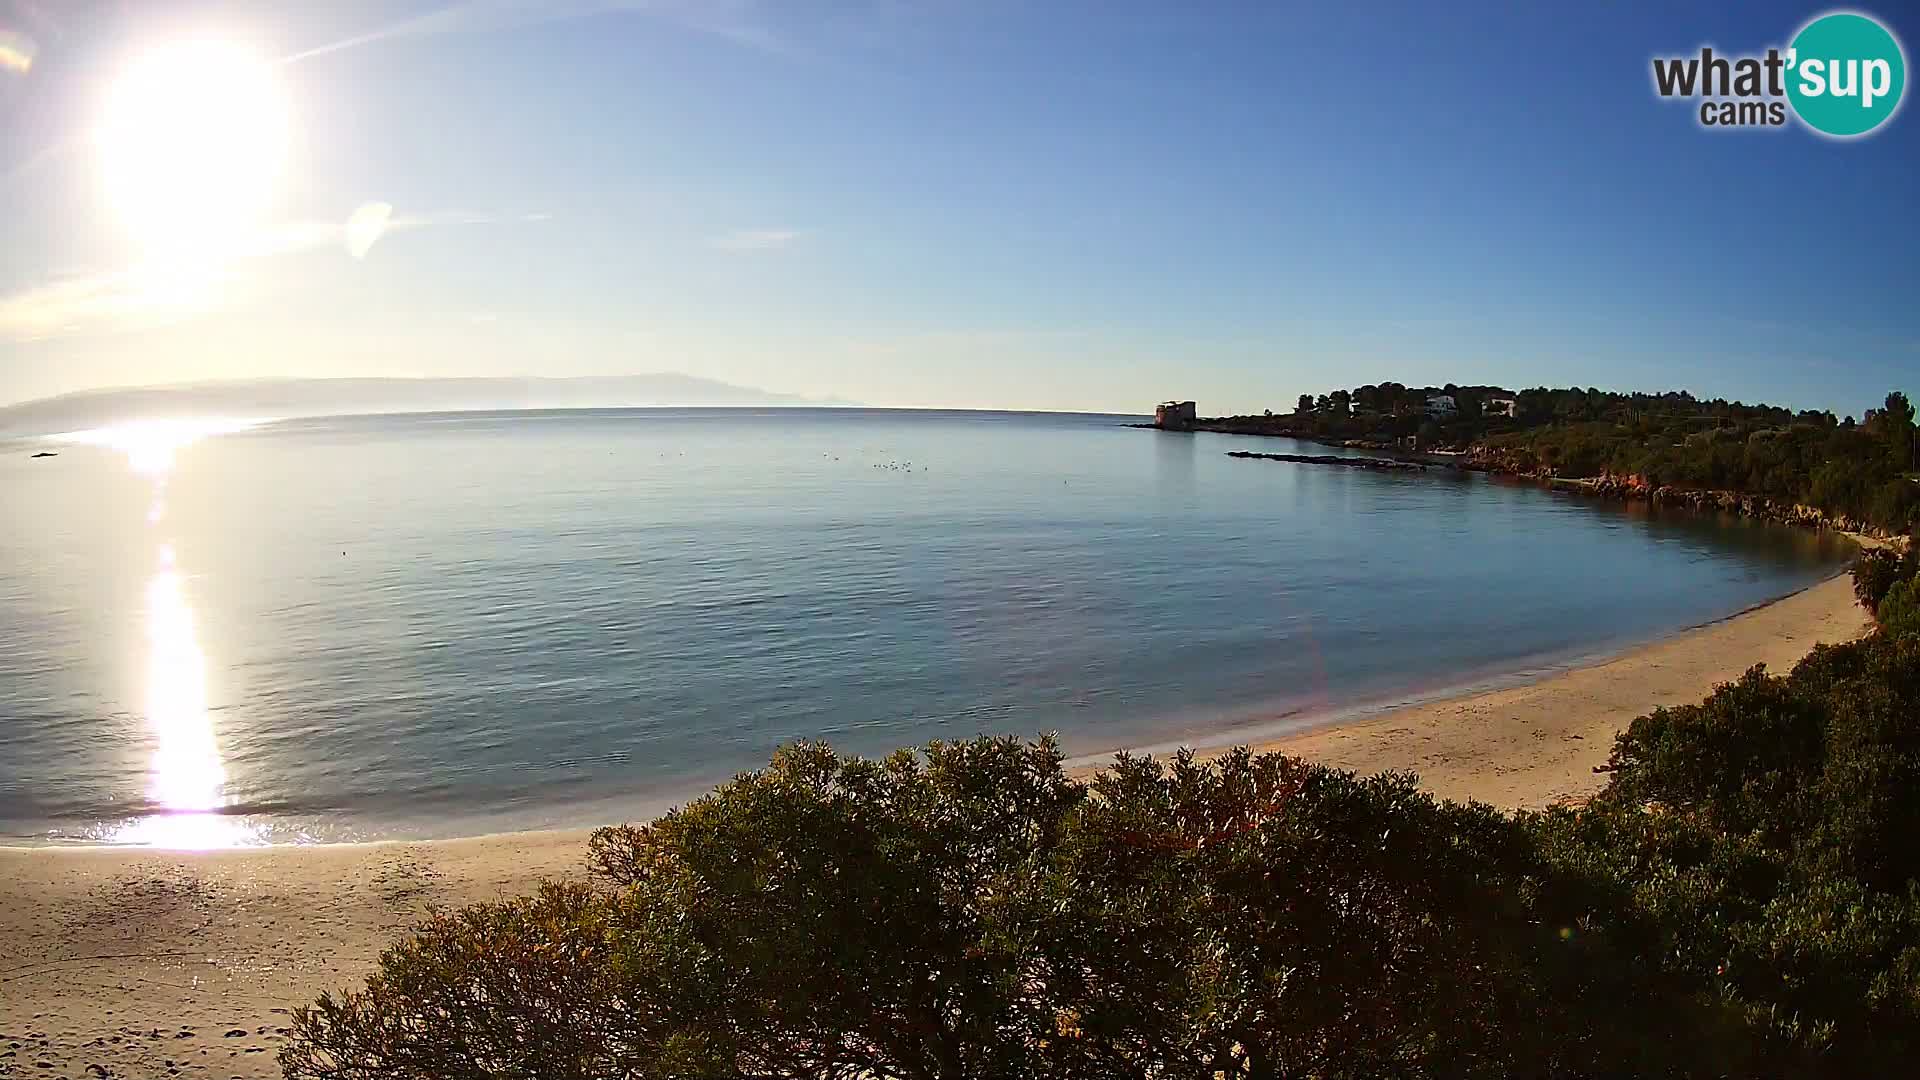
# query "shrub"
(1736, 761)
(1742, 899)
(512, 989)
(823, 917)
(1875, 570)
(1763, 837)
(1896, 504)
(1263, 917)
(972, 912)
(1899, 610)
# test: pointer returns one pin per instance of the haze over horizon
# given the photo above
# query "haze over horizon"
(286, 398)
(324, 395)
(991, 205)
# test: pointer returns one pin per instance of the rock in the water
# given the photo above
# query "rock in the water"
(1383, 464)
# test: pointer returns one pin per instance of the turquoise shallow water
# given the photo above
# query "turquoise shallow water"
(441, 624)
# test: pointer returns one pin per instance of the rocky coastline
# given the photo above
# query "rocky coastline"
(1634, 488)
(1502, 462)
(1377, 464)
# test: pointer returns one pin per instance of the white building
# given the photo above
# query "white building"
(1502, 406)
(1441, 405)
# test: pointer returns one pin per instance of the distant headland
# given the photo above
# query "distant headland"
(1803, 467)
(283, 398)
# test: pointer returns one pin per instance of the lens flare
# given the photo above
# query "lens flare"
(366, 226)
(16, 52)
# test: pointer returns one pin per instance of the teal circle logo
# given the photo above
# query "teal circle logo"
(1845, 74)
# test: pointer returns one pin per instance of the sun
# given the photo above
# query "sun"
(192, 139)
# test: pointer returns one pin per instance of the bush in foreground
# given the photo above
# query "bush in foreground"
(1764, 839)
(1877, 570)
(1899, 611)
(1743, 899)
(970, 911)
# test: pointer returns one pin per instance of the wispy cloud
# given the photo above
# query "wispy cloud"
(131, 299)
(757, 239)
(974, 340)
(738, 21)
(125, 299)
(357, 235)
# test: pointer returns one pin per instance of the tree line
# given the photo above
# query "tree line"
(1867, 469)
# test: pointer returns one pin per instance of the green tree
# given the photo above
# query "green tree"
(1305, 404)
(1759, 843)
(1848, 471)
(1743, 899)
(1263, 917)
(518, 989)
(1875, 571)
(1897, 418)
(1899, 612)
(824, 917)
(969, 911)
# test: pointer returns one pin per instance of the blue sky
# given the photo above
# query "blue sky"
(981, 203)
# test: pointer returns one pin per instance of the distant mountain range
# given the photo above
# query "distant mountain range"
(283, 398)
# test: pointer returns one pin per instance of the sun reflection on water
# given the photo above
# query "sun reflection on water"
(150, 444)
(188, 778)
(187, 781)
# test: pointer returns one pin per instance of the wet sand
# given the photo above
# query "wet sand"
(140, 963)
(1538, 744)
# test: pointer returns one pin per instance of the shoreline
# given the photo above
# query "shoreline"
(1531, 745)
(1254, 728)
(153, 962)
(1272, 731)
(1479, 458)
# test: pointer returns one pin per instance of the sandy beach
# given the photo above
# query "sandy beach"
(141, 963)
(1537, 744)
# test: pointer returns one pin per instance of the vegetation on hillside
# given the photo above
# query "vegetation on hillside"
(1899, 611)
(1867, 470)
(1742, 899)
(1877, 570)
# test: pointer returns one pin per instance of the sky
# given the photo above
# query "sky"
(956, 203)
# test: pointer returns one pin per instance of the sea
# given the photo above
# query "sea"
(428, 625)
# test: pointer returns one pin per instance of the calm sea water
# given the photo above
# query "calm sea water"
(444, 624)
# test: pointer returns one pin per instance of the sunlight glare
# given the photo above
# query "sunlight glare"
(16, 52)
(192, 141)
(150, 444)
(366, 226)
(188, 779)
(187, 774)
